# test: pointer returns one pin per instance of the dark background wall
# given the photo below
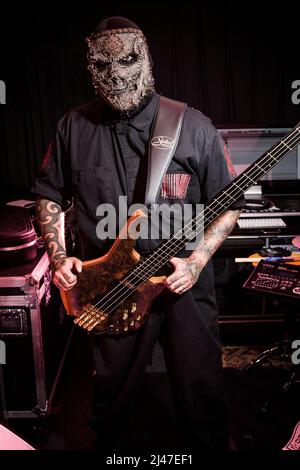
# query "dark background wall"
(236, 62)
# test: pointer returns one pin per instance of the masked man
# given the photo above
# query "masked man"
(100, 153)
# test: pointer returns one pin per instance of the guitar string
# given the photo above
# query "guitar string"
(92, 320)
(136, 273)
(177, 240)
(138, 269)
(209, 209)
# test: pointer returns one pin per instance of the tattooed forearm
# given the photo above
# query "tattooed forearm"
(195, 267)
(51, 221)
(213, 238)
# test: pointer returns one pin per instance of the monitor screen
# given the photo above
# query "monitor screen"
(247, 145)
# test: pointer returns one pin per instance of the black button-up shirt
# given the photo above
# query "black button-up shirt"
(96, 157)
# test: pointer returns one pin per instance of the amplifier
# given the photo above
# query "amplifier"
(272, 277)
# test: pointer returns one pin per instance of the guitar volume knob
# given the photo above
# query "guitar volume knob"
(133, 307)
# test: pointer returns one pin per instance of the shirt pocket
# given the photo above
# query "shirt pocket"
(92, 186)
(175, 185)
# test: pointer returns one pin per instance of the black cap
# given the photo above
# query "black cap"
(115, 22)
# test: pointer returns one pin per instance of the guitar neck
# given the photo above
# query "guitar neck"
(221, 202)
(231, 193)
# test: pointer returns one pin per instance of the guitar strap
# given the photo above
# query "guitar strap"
(163, 141)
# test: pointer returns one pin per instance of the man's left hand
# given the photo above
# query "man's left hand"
(186, 274)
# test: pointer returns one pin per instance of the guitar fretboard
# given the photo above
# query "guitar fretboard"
(219, 204)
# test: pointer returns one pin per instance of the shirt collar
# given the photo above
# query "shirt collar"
(139, 121)
(142, 119)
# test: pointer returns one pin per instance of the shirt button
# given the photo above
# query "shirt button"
(120, 128)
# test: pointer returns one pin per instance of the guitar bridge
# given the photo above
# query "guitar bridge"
(90, 317)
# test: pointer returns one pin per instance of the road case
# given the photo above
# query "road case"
(36, 336)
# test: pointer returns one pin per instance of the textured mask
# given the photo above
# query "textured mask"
(120, 67)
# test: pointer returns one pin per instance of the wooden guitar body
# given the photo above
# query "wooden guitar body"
(97, 280)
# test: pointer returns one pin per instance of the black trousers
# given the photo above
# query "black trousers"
(187, 329)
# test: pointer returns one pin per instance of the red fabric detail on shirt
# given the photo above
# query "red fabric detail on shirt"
(229, 161)
(174, 185)
(46, 160)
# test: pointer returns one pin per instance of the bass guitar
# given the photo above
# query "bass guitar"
(114, 293)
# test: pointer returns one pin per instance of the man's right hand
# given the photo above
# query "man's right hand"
(63, 274)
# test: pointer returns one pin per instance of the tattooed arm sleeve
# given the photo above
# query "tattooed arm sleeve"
(213, 237)
(51, 221)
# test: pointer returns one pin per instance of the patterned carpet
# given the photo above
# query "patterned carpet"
(242, 356)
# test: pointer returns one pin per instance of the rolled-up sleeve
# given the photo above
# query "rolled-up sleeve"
(216, 171)
(53, 180)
